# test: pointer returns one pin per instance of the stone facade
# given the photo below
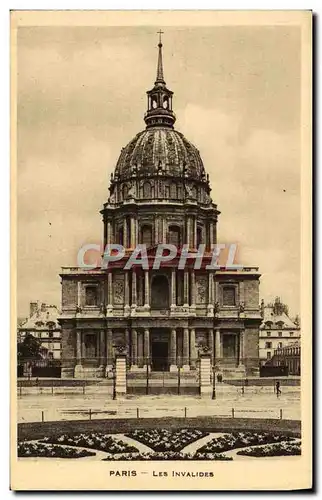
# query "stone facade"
(43, 325)
(162, 319)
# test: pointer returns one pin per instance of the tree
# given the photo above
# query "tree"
(29, 349)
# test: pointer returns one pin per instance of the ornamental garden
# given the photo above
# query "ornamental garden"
(161, 444)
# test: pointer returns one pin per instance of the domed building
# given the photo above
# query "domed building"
(160, 318)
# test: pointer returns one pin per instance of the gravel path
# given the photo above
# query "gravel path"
(142, 448)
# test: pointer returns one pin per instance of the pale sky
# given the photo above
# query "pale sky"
(81, 98)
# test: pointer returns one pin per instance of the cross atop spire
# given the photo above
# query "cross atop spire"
(159, 112)
(160, 77)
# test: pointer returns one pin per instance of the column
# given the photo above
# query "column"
(211, 231)
(125, 243)
(211, 344)
(79, 292)
(83, 345)
(126, 293)
(78, 347)
(110, 290)
(193, 353)
(108, 235)
(102, 347)
(217, 346)
(173, 289)
(195, 233)
(109, 349)
(133, 239)
(134, 289)
(127, 343)
(193, 289)
(140, 349)
(186, 349)
(210, 306)
(164, 231)
(156, 229)
(134, 350)
(215, 233)
(186, 289)
(146, 345)
(188, 232)
(241, 347)
(146, 290)
(78, 371)
(237, 348)
(173, 350)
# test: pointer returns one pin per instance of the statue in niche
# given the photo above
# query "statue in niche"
(216, 307)
(111, 199)
(241, 307)
(189, 192)
(131, 192)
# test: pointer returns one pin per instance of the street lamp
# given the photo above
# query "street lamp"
(179, 364)
(214, 381)
(114, 382)
(147, 374)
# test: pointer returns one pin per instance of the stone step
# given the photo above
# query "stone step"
(162, 375)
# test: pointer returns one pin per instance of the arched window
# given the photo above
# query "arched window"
(160, 292)
(199, 235)
(147, 190)
(120, 235)
(146, 235)
(125, 191)
(174, 236)
(173, 190)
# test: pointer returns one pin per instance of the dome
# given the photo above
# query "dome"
(160, 150)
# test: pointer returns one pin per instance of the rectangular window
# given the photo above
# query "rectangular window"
(291, 334)
(91, 295)
(280, 334)
(229, 296)
(280, 345)
(268, 345)
(269, 355)
(268, 334)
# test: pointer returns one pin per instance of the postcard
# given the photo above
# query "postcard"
(161, 250)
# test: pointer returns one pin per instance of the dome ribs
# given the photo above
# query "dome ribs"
(159, 146)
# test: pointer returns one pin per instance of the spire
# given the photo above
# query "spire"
(159, 112)
(160, 78)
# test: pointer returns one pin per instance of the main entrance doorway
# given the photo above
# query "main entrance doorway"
(229, 348)
(160, 353)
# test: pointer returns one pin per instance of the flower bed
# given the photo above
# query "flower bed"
(169, 455)
(164, 440)
(95, 440)
(241, 440)
(37, 450)
(273, 450)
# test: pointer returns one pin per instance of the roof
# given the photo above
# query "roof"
(276, 318)
(42, 316)
(160, 150)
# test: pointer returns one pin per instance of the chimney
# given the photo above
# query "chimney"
(33, 308)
